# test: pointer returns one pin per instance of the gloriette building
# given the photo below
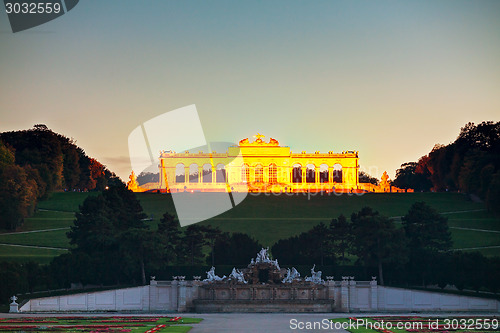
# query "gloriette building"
(259, 166)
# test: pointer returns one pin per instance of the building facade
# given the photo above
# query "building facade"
(259, 166)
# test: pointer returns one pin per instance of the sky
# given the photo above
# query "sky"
(389, 79)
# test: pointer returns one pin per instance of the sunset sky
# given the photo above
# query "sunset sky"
(387, 78)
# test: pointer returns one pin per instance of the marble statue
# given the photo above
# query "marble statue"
(263, 256)
(291, 275)
(237, 275)
(211, 277)
(315, 276)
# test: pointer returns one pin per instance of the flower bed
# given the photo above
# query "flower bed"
(94, 324)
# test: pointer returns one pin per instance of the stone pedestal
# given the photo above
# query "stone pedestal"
(14, 307)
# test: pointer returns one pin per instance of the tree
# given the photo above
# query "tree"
(376, 240)
(170, 237)
(139, 246)
(428, 234)
(18, 191)
(109, 228)
(211, 236)
(191, 249)
(316, 243)
(340, 236)
(235, 249)
(366, 178)
(426, 228)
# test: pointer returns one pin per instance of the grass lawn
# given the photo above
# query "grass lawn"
(55, 238)
(135, 324)
(65, 201)
(267, 218)
(25, 254)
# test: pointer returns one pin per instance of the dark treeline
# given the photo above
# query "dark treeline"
(418, 254)
(471, 164)
(35, 162)
(148, 177)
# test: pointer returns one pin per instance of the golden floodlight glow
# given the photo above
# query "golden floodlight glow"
(261, 166)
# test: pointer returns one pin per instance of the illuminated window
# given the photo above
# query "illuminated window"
(273, 174)
(180, 173)
(207, 173)
(297, 173)
(245, 173)
(323, 173)
(220, 173)
(259, 174)
(337, 173)
(310, 173)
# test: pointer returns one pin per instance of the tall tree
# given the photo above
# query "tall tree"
(109, 228)
(376, 240)
(340, 235)
(170, 237)
(191, 249)
(428, 234)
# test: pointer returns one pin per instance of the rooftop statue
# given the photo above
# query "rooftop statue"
(259, 142)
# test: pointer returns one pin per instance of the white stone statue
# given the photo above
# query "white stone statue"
(236, 274)
(315, 276)
(211, 277)
(291, 275)
(263, 256)
(275, 263)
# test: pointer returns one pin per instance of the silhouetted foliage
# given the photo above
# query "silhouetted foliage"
(234, 249)
(34, 163)
(470, 164)
(366, 178)
(148, 177)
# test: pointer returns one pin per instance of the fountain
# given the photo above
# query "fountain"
(263, 286)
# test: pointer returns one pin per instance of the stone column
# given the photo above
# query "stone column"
(330, 174)
(200, 174)
(304, 173)
(374, 294)
(181, 296)
(153, 294)
(186, 174)
(331, 287)
(316, 175)
(344, 294)
(213, 175)
(353, 294)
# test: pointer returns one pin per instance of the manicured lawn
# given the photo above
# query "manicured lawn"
(25, 254)
(65, 201)
(98, 324)
(55, 238)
